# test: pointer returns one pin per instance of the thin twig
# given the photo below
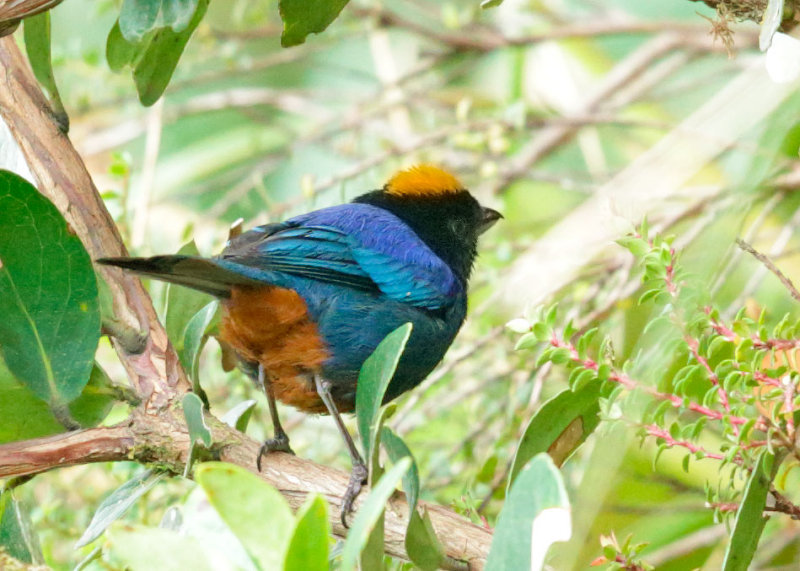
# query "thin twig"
(787, 283)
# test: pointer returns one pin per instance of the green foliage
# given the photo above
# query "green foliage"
(151, 50)
(535, 515)
(37, 46)
(117, 503)
(304, 17)
(48, 297)
(373, 379)
(561, 424)
(17, 537)
(370, 513)
(731, 382)
(255, 511)
(750, 520)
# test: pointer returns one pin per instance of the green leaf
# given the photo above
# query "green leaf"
(158, 60)
(26, 416)
(490, 3)
(138, 17)
(422, 545)
(17, 536)
(559, 426)
(370, 512)
(193, 336)
(37, 46)
(397, 449)
(255, 511)
(119, 51)
(195, 421)
(750, 521)
(50, 322)
(239, 416)
(304, 17)
(308, 547)
(535, 515)
(373, 379)
(117, 503)
(139, 548)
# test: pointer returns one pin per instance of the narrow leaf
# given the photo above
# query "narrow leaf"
(117, 503)
(397, 449)
(17, 536)
(535, 515)
(37, 46)
(750, 520)
(422, 545)
(195, 421)
(369, 513)
(373, 380)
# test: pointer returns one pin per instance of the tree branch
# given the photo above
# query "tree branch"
(164, 440)
(156, 432)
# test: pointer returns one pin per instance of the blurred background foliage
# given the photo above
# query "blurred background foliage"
(552, 111)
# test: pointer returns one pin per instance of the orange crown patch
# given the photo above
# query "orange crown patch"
(423, 180)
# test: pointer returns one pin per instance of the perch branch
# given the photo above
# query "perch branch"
(164, 441)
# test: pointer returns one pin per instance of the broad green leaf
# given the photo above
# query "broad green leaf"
(140, 548)
(195, 421)
(192, 339)
(17, 536)
(138, 17)
(308, 547)
(255, 511)
(239, 416)
(490, 3)
(304, 17)
(750, 518)
(48, 296)
(370, 512)
(535, 515)
(26, 416)
(37, 46)
(559, 427)
(119, 51)
(397, 449)
(422, 545)
(155, 66)
(117, 503)
(373, 379)
(183, 304)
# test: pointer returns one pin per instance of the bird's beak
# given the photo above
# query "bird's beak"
(489, 218)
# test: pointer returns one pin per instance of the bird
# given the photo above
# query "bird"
(306, 301)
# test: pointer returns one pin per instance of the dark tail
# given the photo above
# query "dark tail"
(191, 271)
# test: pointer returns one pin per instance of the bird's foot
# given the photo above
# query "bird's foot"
(358, 479)
(278, 444)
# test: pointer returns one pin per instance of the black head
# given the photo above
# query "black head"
(439, 210)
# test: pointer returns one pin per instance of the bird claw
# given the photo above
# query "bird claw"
(358, 479)
(278, 444)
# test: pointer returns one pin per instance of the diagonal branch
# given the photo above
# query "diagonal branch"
(164, 439)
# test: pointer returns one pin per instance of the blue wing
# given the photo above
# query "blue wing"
(351, 245)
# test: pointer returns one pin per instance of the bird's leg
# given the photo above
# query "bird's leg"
(280, 440)
(358, 477)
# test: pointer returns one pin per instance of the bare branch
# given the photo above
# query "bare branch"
(787, 283)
